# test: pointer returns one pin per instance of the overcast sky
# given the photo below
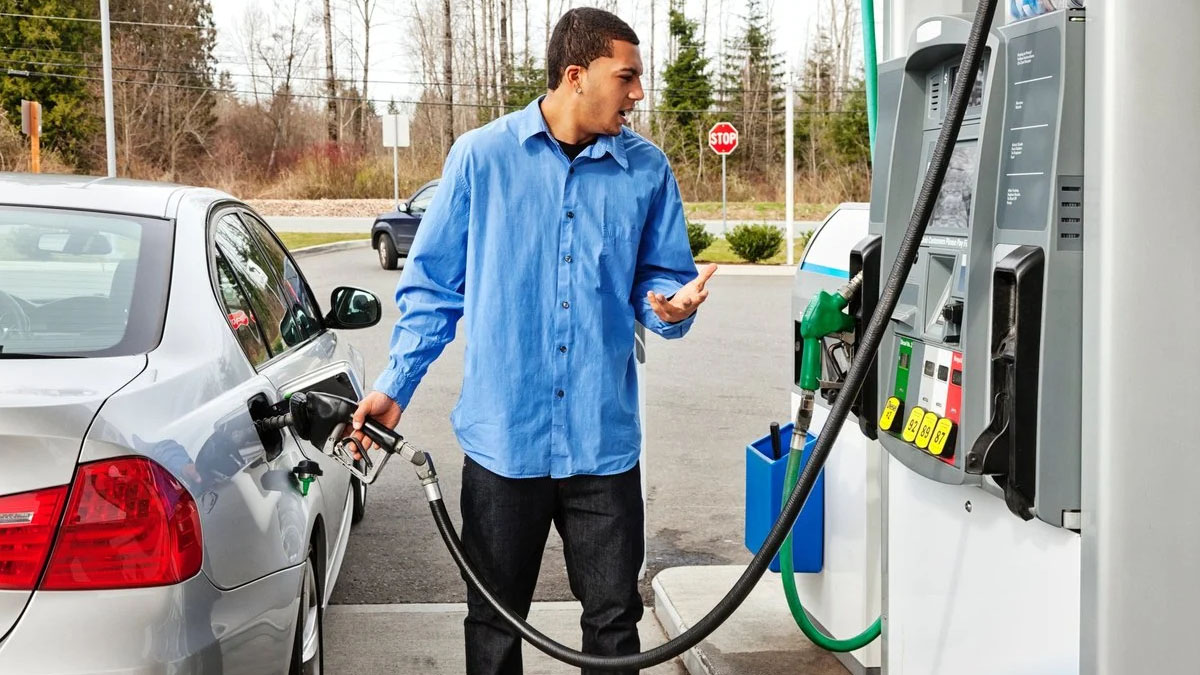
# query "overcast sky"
(392, 64)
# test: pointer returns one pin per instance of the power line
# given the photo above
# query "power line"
(376, 101)
(112, 21)
(421, 83)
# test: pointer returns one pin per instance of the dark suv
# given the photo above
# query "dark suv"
(393, 232)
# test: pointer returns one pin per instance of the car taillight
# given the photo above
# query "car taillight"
(27, 524)
(128, 524)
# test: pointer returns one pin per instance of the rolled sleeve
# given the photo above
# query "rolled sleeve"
(665, 261)
(429, 294)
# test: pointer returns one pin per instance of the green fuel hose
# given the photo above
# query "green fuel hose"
(786, 564)
(788, 571)
(870, 68)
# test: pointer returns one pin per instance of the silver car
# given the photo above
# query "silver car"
(146, 525)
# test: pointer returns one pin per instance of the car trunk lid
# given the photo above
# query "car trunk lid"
(46, 407)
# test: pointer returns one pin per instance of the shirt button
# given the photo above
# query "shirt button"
(567, 259)
(566, 305)
(563, 349)
(560, 393)
(570, 214)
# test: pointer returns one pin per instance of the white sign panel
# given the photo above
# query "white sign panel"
(395, 131)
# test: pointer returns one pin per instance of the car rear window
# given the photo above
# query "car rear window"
(81, 283)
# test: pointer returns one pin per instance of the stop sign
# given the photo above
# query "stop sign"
(722, 138)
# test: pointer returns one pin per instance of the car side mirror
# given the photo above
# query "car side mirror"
(408, 208)
(353, 308)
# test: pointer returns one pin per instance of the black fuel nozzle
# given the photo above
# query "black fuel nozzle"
(315, 416)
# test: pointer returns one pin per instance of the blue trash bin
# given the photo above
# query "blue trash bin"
(764, 499)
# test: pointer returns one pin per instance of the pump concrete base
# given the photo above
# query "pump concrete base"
(761, 637)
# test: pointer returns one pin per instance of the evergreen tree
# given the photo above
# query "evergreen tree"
(525, 83)
(687, 92)
(68, 120)
(752, 89)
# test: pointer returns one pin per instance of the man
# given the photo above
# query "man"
(552, 231)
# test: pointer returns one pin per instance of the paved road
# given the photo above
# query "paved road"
(707, 396)
(342, 224)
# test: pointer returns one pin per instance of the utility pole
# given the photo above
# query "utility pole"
(790, 171)
(31, 126)
(110, 126)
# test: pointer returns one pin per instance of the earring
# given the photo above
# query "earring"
(578, 90)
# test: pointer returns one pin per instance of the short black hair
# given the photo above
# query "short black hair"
(581, 36)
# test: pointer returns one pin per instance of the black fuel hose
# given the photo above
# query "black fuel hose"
(863, 361)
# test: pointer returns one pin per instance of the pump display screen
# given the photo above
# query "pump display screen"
(953, 208)
(976, 98)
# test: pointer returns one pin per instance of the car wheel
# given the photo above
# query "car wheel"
(308, 654)
(387, 252)
(359, 489)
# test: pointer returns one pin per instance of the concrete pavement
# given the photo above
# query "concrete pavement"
(427, 639)
(760, 637)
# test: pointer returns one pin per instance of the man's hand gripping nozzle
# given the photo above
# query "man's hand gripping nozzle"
(321, 419)
(824, 316)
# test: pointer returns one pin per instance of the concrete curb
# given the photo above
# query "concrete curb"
(744, 270)
(723, 269)
(331, 247)
(673, 625)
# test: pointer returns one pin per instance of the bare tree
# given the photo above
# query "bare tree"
(504, 64)
(653, 88)
(448, 68)
(366, 10)
(489, 66)
(276, 48)
(331, 111)
(475, 54)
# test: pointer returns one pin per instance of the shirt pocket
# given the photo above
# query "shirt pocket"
(621, 232)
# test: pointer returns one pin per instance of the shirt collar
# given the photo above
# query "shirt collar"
(530, 123)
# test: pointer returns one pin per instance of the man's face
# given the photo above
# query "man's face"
(611, 86)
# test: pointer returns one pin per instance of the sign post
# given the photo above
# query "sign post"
(723, 139)
(395, 136)
(31, 126)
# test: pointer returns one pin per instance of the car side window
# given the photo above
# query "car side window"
(240, 314)
(421, 202)
(305, 314)
(252, 269)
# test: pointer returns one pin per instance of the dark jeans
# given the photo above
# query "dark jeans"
(505, 525)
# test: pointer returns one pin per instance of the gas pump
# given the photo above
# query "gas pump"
(980, 366)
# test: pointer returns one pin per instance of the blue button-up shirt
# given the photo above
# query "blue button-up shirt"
(549, 261)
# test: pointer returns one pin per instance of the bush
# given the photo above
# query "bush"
(698, 238)
(755, 242)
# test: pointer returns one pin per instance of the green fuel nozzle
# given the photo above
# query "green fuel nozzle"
(824, 316)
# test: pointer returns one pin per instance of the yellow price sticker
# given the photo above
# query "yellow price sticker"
(890, 410)
(913, 425)
(941, 436)
(925, 432)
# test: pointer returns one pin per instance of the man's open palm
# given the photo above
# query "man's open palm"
(685, 302)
